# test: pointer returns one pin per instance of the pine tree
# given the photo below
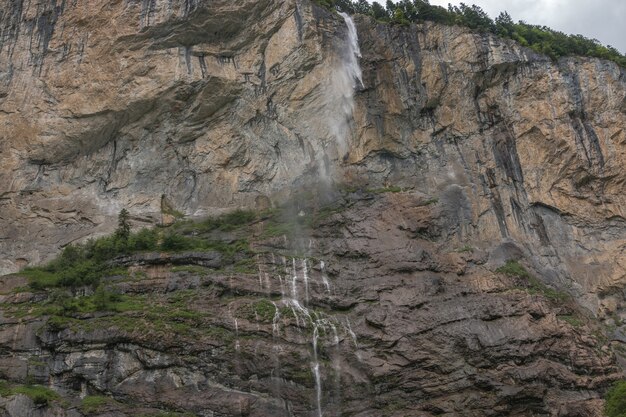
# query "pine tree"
(123, 225)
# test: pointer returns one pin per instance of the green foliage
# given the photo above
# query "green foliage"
(103, 299)
(541, 39)
(173, 242)
(513, 269)
(465, 248)
(534, 286)
(430, 201)
(144, 240)
(39, 394)
(265, 310)
(123, 225)
(171, 314)
(86, 264)
(615, 405)
(5, 388)
(572, 320)
(94, 403)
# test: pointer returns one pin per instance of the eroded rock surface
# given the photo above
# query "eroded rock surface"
(396, 324)
(198, 107)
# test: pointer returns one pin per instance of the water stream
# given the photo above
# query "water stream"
(345, 78)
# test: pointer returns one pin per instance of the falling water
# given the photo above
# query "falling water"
(275, 322)
(345, 78)
(294, 281)
(237, 346)
(352, 334)
(316, 371)
(353, 51)
(327, 330)
(305, 278)
(324, 276)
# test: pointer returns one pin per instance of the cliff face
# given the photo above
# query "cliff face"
(498, 153)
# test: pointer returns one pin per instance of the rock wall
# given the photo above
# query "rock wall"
(201, 107)
(362, 315)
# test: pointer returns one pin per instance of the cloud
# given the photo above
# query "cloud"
(600, 19)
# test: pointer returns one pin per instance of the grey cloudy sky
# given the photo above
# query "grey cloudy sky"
(604, 20)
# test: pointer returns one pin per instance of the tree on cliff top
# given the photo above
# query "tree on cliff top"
(541, 39)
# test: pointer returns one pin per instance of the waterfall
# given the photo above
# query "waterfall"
(353, 52)
(305, 277)
(315, 366)
(324, 276)
(275, 321)
(339, 96)
(322, 331)
(294, 281)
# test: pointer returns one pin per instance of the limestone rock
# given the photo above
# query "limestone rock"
(498, 154)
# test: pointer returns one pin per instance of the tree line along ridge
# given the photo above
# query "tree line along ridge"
(541, 39)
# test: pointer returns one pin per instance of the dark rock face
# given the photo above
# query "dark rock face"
(394, 324)
(464, 151)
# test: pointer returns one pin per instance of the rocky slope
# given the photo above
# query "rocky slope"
(197, 107)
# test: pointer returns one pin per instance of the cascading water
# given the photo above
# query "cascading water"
(353, 52)
(305, 276)
(346, 77)
(299, 282)
(324, 276)
(321, 330)
(316, 370)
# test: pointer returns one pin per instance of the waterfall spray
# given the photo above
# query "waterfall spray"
(345, 78)
(353, 52)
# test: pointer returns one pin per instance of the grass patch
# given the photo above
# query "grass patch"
(571, 320)
(172, 314)
(465, 248)
(86, 264)
(94, 403)
(39, 394)
(281, 224)
(192, 269)
(513, 269)
(534, 286)
(303, 376)
(265, 310)
(430, 201)
(615, 405)
(226, 223)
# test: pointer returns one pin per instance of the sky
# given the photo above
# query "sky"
(604, 20)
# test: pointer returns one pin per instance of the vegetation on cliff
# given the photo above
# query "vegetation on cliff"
(85, 264)
(616, 400)
(541, 39)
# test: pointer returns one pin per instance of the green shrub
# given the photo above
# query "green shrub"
(144, 240)
(541, 39)
(39, 394)
(86, 264)
(5, 388)
(265, 310)
(174, 242)
(515, 269)
(93, 403)
(615, 405)
(571, 320)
